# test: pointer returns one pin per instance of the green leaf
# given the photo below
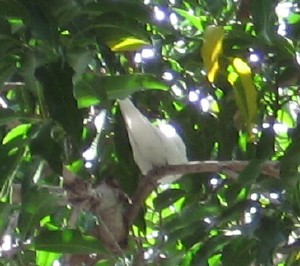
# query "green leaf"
(289, 164)
(192, 213)
(234, 211)
(8, 116)
(12, 8)
(266, 146)
(44, 145)
(56, 79)
(210, 247)
(194, 20)
(91, 88)
(264, 18)
(79, 60)
(240, 251)
(18, 131)
(135, 9)
(37, 203)
(239, 190)
(114, 26)
(67, 241)
(167, 197)
(10, 157)
(6, 210)
(190, 235)
(293, 18)
(270, 233)
(44, 258)
(40, 21)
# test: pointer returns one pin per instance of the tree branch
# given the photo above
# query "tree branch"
(149, 182)
(10, 85)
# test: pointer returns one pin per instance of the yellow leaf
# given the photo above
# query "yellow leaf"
(245, 91)
(241, 67)
(128, 44)
(212, 49)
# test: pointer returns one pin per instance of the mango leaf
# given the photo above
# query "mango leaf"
(194, 20)
(79, 59)
(285, 117)
(193, 213)
(271, 233)
(135, 9)
(167, 197)
(113, 26)
(264, 18)
(212, 49)
(127, 44)
(245, 91)
(10, 156)
(67, 241)
(56, 79)
(44, 145)
(190, 234)
(239, 251)
(289, 165)
(293, 18)
(8, 116)
(37, 203)
(212, 246)
(18, 131)
(6, 210)
(7, 69)
(44, 258)
(238, 191)
(91, 88)
(40, 21)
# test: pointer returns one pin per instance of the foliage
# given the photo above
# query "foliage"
(222, 72)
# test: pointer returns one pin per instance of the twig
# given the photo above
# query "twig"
(149, 182)
(9, 85)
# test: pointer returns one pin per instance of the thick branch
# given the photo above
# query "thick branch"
(149, 182)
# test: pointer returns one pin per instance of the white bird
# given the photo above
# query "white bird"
(152, 146)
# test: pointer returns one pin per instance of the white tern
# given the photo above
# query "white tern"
(152, 146)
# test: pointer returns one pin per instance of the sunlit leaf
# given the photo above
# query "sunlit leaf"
(46, 258)
(194, 20)
(293, 18)
(20, 130)
(128, 44)
(212, 49)
(245, 91)
(285, 117)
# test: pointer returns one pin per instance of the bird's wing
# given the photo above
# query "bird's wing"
(151, 147)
